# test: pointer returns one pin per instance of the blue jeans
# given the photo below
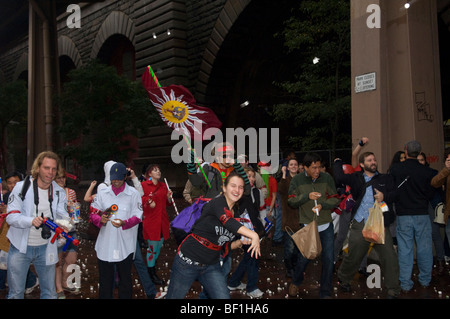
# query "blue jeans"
(2, 279)
(447, 232)
(290, 252)
(327, 258)
(278, 215)
(30, 282)
(31, 279)
(225, 268)
(410, 229)
(438, 241)
(141, 268)
(247, 265)
(183, 274)
(18, 266)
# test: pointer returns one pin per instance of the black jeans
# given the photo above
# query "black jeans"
(106, 272)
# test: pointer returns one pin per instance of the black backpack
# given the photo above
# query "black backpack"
(25, 186)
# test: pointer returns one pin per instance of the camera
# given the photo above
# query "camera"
(46, 233)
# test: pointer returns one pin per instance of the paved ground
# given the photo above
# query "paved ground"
(272, 277)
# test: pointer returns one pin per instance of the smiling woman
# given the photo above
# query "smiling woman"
(233, 189)
(199, 255)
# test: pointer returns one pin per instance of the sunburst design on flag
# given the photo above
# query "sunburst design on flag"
(176, 113)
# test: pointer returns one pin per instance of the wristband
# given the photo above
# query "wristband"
(361, 143)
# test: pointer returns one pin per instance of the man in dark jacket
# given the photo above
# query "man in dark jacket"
(367, 186)
(214, 174)
(308, 192)
(413, 222)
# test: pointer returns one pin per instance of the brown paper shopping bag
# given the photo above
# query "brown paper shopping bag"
(307, 240)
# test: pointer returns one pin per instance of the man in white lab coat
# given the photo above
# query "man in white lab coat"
(116, 242)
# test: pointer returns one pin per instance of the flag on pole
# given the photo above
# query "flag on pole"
(177, 108)
(149, 79)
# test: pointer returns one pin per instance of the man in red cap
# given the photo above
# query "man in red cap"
(214, 174)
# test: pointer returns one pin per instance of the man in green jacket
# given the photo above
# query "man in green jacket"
(311, 193)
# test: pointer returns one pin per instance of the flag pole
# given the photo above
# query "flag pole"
(171, 196)
(153, 75)
(197, 164)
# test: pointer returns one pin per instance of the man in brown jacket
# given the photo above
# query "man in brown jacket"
(289, 216)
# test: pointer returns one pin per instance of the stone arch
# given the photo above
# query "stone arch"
(229, 14)
(116, 23)
(66, 46)
(21, 66)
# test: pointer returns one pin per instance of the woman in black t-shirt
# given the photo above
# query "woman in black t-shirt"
(198, 256)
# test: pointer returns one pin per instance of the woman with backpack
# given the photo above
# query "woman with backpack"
(198, 256)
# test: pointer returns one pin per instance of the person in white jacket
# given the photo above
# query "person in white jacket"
(30, 239)
(116, 242)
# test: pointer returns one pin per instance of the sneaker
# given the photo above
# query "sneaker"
(293, 290)
(241, 286)
(255, 293)
(73, 290)
(30, 290)
(344, 287)
(61, 295)
(160, 294)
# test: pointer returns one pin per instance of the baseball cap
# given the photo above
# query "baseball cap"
(118, 172)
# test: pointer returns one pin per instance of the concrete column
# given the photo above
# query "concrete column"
(400, 46)
(43, 77)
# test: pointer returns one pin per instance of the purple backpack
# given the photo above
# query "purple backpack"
(183, 222)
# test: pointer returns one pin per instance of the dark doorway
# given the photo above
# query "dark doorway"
(241, 89)
(119, 52)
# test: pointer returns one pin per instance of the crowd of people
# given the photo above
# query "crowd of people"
(239, 203)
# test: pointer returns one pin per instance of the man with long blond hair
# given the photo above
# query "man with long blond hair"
(30, 238)
(40, 159)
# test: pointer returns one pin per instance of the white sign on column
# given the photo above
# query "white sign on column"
(365, 82)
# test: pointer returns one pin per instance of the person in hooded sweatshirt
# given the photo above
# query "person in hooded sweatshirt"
(107, 182)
